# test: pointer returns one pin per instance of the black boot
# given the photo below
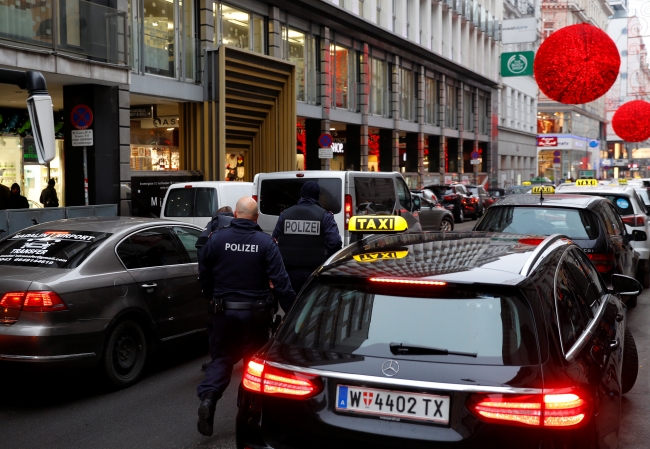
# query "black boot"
(206, 413)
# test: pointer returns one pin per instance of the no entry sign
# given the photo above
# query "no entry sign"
(81, 117)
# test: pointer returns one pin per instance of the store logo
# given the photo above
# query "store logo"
(165, 122)
(517, 64)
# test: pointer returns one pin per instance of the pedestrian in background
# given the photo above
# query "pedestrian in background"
(307, 235)
(239, 263)
(16, 200)
(48, 195)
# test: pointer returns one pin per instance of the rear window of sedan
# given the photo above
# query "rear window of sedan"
(574, 223)
(355, 317)
(51, 249)
(277, 195)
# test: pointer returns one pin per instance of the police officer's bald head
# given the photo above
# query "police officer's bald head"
(247, 208)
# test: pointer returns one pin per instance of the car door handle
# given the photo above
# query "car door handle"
(149, 285)
(619, 317)
(614, 345)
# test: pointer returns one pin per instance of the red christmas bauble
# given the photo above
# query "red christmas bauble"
(577, 64)
(631, 122)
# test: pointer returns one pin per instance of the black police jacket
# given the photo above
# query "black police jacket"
(238, 262)
(307, 235)
(222, 219)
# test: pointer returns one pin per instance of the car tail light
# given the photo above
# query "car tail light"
(255, 198)
(33, 301)
(348, 209)
(552, 409)
(634, 220)
(407, 281)
(531, 241)
(450, 197)
(604, 263)
(266, 379)
(474, 200)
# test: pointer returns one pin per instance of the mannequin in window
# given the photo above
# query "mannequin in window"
(231, 165)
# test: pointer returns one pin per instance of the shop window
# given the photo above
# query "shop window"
(294, 50)
(468, 111)
(379, 84)
(451, 120)
(238, 28)
(153, 147)
(159, 37)
(406, 94)
(431, 101)
(344, 82)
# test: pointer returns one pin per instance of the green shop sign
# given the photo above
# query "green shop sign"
(29, 151)
(518, 63)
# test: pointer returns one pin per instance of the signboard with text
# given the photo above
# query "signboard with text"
(547, 141)
(519, 63)
(148, 192)
(518, 31)
(82, 137)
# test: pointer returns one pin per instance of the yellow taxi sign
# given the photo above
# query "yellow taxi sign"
(376, 224)
(526, 183)
(384, 255)
(586, 182)
(622, 182)
(545, 190)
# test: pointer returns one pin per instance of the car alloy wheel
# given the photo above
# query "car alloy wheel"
(125, 354)
(446, 225)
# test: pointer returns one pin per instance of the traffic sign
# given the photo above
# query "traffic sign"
(82, 138)
(557, 153)
(325, 140)
(475, 161)
(593, 143)
(475, 155)
(518, 63)
(81, 117)
(325, 153)
(557, 160)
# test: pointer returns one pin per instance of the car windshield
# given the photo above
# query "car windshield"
(277, 195)
(643, 193)
(574, 223)
(51, 249)
(362, 319)
(441, 191)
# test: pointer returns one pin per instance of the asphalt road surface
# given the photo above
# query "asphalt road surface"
(75, 409)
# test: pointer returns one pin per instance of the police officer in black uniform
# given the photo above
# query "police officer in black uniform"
(307, 235)
(240, 263)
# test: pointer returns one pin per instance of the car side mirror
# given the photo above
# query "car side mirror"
(639, 236)
(625, 285)
(417, 203)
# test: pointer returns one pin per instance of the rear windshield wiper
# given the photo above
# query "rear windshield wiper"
(403, 349)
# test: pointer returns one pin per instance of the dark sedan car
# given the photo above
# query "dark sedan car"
(456, 199)
(591, 222)
(433, 217)
(448, 340)
(98, 290)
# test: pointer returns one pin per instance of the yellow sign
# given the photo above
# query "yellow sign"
(526, 183)
(376, 224)
(388, 255)
(622, 182)
(586, 182)
(548, 190)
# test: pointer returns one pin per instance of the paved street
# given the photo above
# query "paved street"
(74, 409)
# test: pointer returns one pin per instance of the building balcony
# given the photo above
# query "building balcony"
(76, 27)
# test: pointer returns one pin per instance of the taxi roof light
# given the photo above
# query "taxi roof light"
(586, 182)
(377, 224)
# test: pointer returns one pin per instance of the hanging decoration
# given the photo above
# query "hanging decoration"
(631, 122)
(577, 64)
(301, 142)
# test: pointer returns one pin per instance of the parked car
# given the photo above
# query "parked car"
(344, 193)
(456, 199)
(433, 217)
(198, 202)
(496, 194)
(480, 197)
(98, 291)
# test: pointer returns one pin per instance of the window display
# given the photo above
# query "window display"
(235, 167)
(155, 158)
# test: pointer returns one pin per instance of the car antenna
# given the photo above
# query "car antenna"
(541, 194)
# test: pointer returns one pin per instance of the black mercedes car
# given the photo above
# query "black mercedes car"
(445, 340)
(590, 221)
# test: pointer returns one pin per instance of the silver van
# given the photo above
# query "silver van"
(344, 193)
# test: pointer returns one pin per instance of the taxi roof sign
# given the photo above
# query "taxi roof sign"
(545, 190)
(622, 182)
(377, 224)
(383, 255)
(526, 183)
(586, 182)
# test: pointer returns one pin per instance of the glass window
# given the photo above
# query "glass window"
(595, 289)
(361, 319)
(295, 42)
(205, 204)
(188, 238)
(406, 94)
(239, 28)
(404, 195)
(278, 194)
(612, 220)
(341, 71)
(29, 22)
(49, 249)
(571, 312)
(468, 111)
(150, 248)
(431, 101)
(379, 81)
(194, 202)
(258, 35)
(188, 35)
(159, 37)
(451, 120)
(374, 195)
(574, 223)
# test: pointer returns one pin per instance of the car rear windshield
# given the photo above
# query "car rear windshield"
(363, 319)
(191, 202)
(51, 249)
(622, 203)
(277, 195)
(574, 223)
(441, 191)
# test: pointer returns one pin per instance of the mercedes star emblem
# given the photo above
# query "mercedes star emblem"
(390, 368)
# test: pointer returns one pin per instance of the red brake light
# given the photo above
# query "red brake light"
(604, 263)
(634, 220)
(531, 241)
(450, 197)
(300, 175)
(348, 210)
(266, 379)
(188, 186)
(255, 198)
(556, 409)
(407, 281)
(36, 301)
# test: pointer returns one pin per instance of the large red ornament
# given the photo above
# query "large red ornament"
(631, 122)
(577, 64)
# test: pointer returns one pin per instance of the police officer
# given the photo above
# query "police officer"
(307, 235)
(241, 263)
(222, 218)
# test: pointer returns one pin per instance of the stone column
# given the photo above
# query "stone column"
(364, 106)
(124, 103)
(443, 123)
(275, 32)
(325, 82)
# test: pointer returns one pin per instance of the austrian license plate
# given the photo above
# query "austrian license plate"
(393, 404)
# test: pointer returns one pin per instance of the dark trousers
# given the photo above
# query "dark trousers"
(233, 336)
(298, 279)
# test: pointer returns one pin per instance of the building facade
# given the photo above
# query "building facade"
(573, 133)
(233, 88)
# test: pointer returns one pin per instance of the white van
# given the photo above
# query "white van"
(344, 193)
(198, 202)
